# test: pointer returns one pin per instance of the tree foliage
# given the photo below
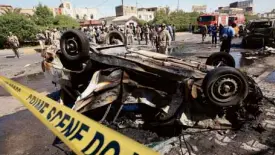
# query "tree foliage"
(178, 18)
(19, 25)
(65, 21)
(43, 15)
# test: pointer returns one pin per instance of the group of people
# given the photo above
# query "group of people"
(225, 33)
(159, 36)
(49, 37)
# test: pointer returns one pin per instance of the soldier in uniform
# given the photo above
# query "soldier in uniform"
(41, 39)
(146, 33)
(14, 44)
(56, 36)
(129, 35)
(138, 32)
(164, 40)
(47, 35)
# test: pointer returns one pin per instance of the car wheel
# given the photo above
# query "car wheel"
(74, 45)
(116, 35)
(75, 48)
(220, 59)
(225, 86)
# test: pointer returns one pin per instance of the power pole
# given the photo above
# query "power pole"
(178, 5)
(137, 7)
(122, 2)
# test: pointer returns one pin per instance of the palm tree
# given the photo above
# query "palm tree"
(12, 10)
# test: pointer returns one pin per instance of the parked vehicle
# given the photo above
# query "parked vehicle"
(115, 84)
(238, 19)
(211, 19)
(259, 33)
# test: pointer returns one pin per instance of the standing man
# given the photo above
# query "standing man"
(129, 35)
(146, 33)
(14, 44)
(214, 31)
(138, 31)
(204, 31)
(170, 30)
(164, 40)
(227, 35)
(56, 36)
(174, 32)
(41, 39)
(47, 35)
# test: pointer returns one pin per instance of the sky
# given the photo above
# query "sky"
(107, 7)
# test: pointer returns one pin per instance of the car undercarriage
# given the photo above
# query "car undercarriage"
(115, 85)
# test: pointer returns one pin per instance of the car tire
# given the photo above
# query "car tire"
(222, 58)
(116, 34)
(74, 46)
(225, 86)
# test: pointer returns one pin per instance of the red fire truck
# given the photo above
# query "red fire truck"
(211, 19)
(239, 19)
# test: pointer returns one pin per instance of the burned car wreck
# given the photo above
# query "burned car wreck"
(115, 85)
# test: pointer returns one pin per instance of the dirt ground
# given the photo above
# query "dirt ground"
(21, 133)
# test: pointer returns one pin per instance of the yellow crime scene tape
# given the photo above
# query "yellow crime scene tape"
(78, 132)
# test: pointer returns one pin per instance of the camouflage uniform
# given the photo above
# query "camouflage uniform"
(14, 44)
(164, 40)
(129, 34)
(56, 36)
(146, 32)
(41, 39)
(138, 34)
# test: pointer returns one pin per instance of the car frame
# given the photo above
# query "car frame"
(111, 77)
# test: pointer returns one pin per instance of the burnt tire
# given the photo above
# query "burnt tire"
(225, 86)
(116, 35)
(222, 58)
(75, 48)
(74, 45)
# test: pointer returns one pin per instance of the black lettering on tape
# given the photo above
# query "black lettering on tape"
(68, 130)
(46, 105)
(61, 123)
(112, 145)
(33, 100)
(29, 97)
(59, 114)
(135, 153)
(39, 105)
(98, 137)
(78, 134)
(51, 112)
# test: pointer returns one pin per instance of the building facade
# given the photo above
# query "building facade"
(4, 7)
(123, 10)
(199, 8)
(246, 5)
(229, 10)
(66, 8)
(268, 14)
(145, 14)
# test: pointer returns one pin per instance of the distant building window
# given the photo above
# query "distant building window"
(139, 16)
(150, 16)
(77, 16)
(85, 17)
(132, 8)
(92, 16)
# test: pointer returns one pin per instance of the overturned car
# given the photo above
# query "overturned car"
(116, 85)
